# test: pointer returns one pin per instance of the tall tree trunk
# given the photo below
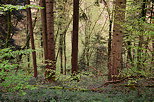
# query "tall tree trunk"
(51, 67)
(75, 36)
(116, 51)
(44, 28)
(32, 38)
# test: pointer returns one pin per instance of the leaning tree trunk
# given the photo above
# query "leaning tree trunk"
(32, 38)
(75, 36)
(51, 67)
(116, 51)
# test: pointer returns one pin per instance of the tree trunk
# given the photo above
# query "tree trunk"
(75, 36)
(28, 44)
(109, 47)
(61, 53)
(32, 38)
(44, 28)
(51, 67)
(116, 51)
(152, 21)
(8, 29)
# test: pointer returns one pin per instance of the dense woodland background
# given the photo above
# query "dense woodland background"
(76, 50)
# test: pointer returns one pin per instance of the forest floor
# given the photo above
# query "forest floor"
(84, 91)
(63, 95)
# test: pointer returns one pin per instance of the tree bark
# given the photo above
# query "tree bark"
(109, 47)
(32, 38)
(152, 18)
(75, 36)
(44, 28)
(51, 67)
(117, 41)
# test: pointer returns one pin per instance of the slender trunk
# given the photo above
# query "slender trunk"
(61, 52)
(87, 43)
(75, 36)
(27, 45)
(109, 48)
(65, 58)
(64, 38)
(51, 67)
(32, 38)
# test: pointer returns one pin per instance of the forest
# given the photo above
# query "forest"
(76, 50)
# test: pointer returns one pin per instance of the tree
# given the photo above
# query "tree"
(117, 40)
(29, 16)
(152, 21)
(51, 67)
(75, 36)
(44, 28)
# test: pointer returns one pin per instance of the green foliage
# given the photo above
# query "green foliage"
(138, 39)
(53, 95)
(10, 7)
(7, 52)
(93, 53)
(11, 77)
